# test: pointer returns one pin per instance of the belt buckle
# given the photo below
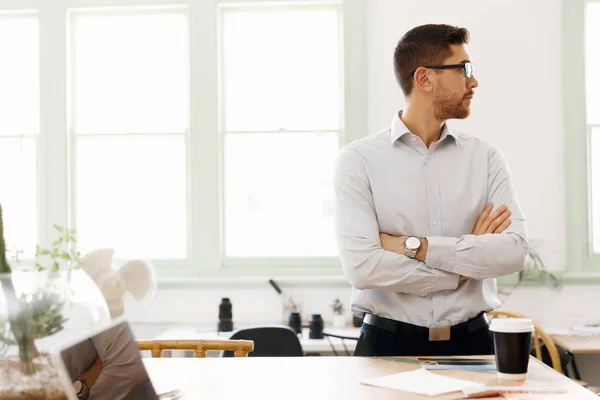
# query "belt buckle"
(439, 334)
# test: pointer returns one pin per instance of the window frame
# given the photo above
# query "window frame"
(14, 11)
(80, 12)
(237, 265)
(206, 262)
(582, 264)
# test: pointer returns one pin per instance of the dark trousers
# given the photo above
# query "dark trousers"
(374, 341)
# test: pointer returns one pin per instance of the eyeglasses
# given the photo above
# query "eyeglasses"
(466, 67)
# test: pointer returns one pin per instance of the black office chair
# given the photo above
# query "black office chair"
(269, 341)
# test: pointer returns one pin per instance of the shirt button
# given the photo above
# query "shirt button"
(439, 264)
(431, 188)
(434, 222)
(430, 156)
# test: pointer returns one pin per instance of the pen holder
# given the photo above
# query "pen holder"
(225, 316)
(295, 322)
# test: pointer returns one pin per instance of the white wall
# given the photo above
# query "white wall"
(517, 53)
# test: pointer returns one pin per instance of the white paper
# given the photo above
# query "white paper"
(421, 381)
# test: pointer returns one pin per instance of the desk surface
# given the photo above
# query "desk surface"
(317, 378)
(308, 345)
(579, 344)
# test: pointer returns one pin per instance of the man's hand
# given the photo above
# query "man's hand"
(392, 243)
(495, 222)
(91, 375)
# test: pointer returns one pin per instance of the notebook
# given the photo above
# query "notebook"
(126, 377)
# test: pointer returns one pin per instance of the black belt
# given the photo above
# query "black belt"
(434, 334)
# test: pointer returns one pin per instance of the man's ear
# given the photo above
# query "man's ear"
(422, 79)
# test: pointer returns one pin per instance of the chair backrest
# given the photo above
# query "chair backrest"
(538, 334)
(270, 340)
(240, 348)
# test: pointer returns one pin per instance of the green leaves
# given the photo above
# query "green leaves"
(61, 251)
(338, 307)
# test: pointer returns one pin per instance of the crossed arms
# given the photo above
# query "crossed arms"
(374, 260)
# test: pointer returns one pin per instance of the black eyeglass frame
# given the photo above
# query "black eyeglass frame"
(466, 67)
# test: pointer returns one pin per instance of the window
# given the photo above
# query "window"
(581, 90)
(198, 134)
(281, 114)
(130, 121)
(19, 129)
(592, 57)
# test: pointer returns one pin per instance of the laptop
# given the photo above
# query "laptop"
(106, 364)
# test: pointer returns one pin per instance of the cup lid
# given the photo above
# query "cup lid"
(511, 325)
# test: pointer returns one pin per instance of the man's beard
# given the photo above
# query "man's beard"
(446, 106)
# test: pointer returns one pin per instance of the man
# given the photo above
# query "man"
(427, 218)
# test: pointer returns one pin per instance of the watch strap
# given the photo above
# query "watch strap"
(411, 252)
(84, 391)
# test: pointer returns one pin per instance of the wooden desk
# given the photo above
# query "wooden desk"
(578, 344)
(315, 378)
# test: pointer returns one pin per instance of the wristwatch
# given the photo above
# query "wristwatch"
(81, 389)
(411, 245)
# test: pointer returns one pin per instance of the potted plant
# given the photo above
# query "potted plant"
(339, 320)
(36, 305)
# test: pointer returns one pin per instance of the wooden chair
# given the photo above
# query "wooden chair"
(241, 348)
(538, 334)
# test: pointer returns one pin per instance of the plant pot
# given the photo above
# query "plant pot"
(66, 304)
(339, 321)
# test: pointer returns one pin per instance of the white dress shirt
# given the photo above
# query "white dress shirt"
(392, 183)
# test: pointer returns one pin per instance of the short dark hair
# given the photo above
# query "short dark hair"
(425, 45)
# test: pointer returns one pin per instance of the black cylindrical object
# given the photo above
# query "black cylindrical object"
(295, 321)
(225, 316)
(315, 326)
(512, 352)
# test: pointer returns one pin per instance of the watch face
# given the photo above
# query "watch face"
(412, 243)
(77, 386)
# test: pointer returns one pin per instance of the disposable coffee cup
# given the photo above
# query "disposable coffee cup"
(512, 343)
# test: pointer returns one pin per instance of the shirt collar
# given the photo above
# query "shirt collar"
(399, 131)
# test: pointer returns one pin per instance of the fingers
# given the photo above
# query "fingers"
(499, 220)
(482, 217)
(493, 216)
(503, 226)
(492, 222)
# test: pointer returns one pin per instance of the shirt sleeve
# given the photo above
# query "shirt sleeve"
(366, 264)
(123, 371)
(489, 255)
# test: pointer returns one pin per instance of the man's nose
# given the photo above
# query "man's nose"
(473, 82)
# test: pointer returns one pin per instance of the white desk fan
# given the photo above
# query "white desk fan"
(128, 289)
